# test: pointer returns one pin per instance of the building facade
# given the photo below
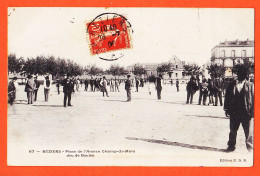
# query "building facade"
(177, 68)
(230, 53)
(151, 68)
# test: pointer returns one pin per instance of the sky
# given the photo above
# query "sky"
(159, 33)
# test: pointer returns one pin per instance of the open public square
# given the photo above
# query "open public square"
(143, 132)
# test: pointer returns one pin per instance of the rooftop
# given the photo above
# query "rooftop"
(236, 43)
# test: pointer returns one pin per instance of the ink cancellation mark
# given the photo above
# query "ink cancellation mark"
(109, 32)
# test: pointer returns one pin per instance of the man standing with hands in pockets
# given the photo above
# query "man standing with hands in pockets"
(239, 106)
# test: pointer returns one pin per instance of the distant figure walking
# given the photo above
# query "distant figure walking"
(96, 85)
(116, 85)
(149, 88)
(158, 86)
(77, 84)
(177, 84)
(141, 82)
(111, 85)
(136, 84)
(211, 91)
(128, 88)
(58, 86)
(86, 84)
(16, 85)
(81, 82)
(104, 84)
(91, 84)
(47, 85)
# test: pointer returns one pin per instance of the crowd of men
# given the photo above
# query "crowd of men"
(71, 84)
(97, 83)
(211, 89)
(238, 104)
(31, 89)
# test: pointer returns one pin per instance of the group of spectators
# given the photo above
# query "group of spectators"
(213, 89)
(238, 103)
(31, 89)
(97, 84)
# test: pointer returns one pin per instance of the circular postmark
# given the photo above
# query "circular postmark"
(109, 34)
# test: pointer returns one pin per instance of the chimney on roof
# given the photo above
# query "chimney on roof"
(237, 41)
(247, 41)
(226, 42)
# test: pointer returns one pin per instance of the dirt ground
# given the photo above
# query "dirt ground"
(144, 132)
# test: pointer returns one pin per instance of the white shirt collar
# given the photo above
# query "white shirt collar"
(240, 82)
(240, 85)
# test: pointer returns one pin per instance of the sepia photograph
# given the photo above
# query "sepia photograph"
(91, 86)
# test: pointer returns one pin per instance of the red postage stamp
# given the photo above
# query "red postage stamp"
(108, 32)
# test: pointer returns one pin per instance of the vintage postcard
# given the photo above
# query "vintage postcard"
(91, 86)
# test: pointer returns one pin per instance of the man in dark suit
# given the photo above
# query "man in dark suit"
(177, 84)
(68, 88)
(128, 88)
(11, 91)
(191, 89)
(211, 91)
(158, 86)
(91, 84)
(58, 86)
(37, 85)
(239, 105)
(86, 84)
(136, 84)
(142, 82)
(203, 88)
(218, 88)
(30, 87)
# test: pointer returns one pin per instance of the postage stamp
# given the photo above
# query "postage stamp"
(109, 32)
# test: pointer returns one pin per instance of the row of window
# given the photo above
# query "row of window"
(233, 53)
(171, 76)
(229, 62)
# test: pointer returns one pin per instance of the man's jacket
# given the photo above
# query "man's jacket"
(248, 98)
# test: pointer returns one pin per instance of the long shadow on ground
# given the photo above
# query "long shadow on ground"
(49, 105)
(182, 103)
(20, 102)
(178, 144)
(111, 100)
(215, 117)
